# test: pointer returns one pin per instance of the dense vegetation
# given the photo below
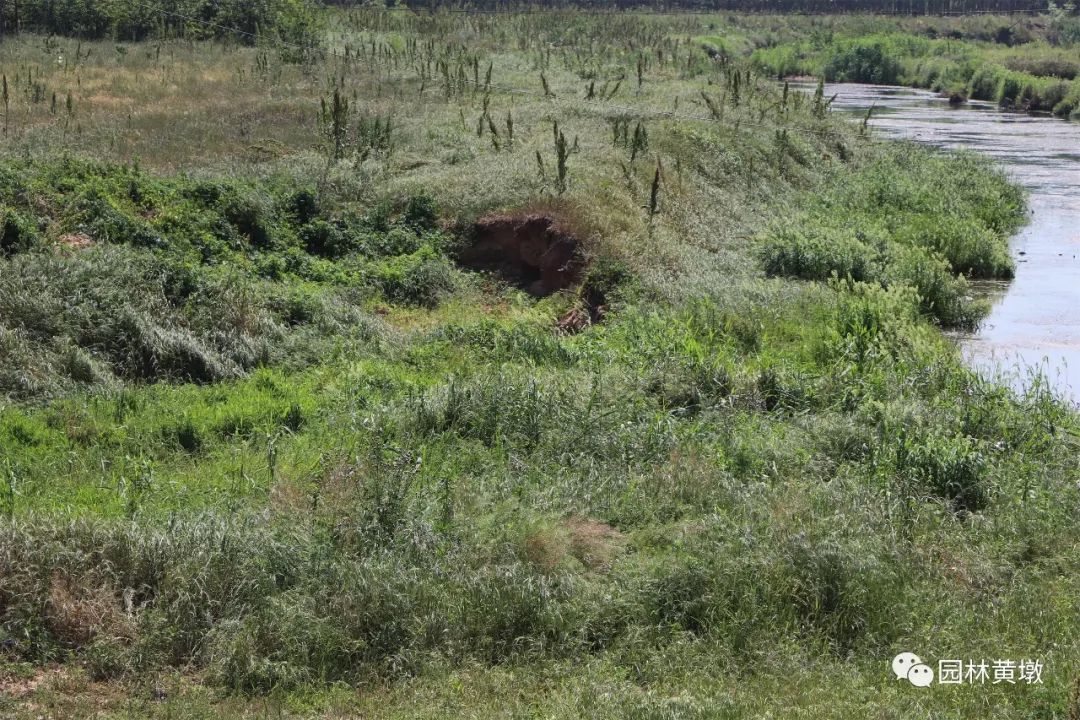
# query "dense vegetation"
(1023, 65)
(800, 7)
(271, 444)
(878, 226)
(180, 279)
(237, 20)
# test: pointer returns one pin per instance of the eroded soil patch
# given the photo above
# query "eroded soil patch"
(532, 251)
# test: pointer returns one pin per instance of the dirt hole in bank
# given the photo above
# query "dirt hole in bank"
(533, 251)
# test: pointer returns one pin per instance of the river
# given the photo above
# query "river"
(1034, 324)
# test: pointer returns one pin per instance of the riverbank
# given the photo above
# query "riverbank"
(300, 422)
(1025, 64)
(1029, 335)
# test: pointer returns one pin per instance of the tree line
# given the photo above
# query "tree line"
(293, 20)
(889, 7)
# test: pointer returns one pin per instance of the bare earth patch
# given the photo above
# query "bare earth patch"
(75, 241)
(533, 251)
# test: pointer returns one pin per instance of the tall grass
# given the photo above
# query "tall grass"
(875, 229)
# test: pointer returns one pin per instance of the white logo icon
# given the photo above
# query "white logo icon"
(904, 662)
(920, 675)
(909, 665)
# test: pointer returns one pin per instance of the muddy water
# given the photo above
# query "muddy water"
(1035, 321)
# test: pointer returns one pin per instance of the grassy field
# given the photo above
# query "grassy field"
(278, 440)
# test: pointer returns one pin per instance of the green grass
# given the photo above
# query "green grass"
(193, 280)
(879, 228)
(268, 449)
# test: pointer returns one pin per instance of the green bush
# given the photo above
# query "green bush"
(683, 594)
(985, 82)
(190, 280)
(840, 254)
(970, 248)
(302, 205)
(522, 342)
(877, 228)
(1052, 66)
(17, 233)
(820, 255)
(952, 468)
(782, 61)
(392, 242)
(325, 239)
(1069, 105)
(606, 280)
(421, 213)
(250, 214)
(866, 61)
(421, 278)
(348, 627)
(942, 294)
(103, 219)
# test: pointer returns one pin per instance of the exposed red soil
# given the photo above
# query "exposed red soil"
(75, 241)
(532, 250)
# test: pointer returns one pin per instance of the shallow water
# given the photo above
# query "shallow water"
(1035, 323)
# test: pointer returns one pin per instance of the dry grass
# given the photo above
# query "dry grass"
(594, 543)
(81, 609)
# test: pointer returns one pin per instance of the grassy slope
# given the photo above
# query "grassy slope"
(738, 495)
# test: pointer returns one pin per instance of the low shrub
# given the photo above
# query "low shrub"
(17, 233)
(250, 213)
(324, 239)
(421, 213)
(422, 278)
(951, 468)
(292, 20)
(1049, 66)
(191, 280)
(820, 255)
(969, 247)
(863, 60)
